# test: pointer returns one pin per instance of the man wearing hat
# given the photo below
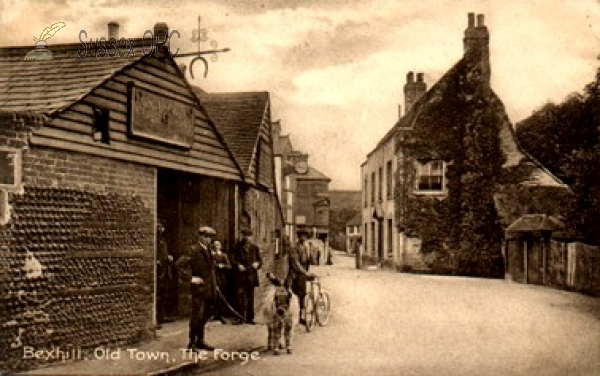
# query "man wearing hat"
(246, 262)
(299, 263)
(202, 287)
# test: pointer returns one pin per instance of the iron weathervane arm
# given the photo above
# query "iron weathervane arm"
(198, 56)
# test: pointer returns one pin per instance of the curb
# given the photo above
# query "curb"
(189, 365)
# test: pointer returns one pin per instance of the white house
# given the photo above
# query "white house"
(381, 240)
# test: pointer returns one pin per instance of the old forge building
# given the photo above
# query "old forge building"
(97, 150)
(244, 120)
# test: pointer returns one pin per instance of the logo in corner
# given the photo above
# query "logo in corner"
(40, 52)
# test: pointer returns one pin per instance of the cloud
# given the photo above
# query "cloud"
(332, 45)
(335, 69)
(254, 7)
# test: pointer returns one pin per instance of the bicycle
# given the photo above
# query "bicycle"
(317, 305)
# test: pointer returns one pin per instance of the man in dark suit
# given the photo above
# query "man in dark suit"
(299, 263)
(202, 287)
(246, 262)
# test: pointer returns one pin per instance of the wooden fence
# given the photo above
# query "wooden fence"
(574, 266)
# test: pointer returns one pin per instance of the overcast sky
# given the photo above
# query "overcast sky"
(335, 69)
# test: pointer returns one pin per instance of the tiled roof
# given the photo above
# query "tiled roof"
(389, 135)
(444, 88)
(312, 174)
(238, 117)
(44, 87)
(536, 222)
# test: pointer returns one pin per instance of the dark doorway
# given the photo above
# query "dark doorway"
(184, 203)
(515, 259)
(535, 262)
(168, 213)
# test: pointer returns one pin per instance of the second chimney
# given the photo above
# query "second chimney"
(161, 32)
(413, 91)
(113, 30)
(476, 37)
(480, 21)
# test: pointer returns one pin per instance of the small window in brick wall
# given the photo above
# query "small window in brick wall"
(101, 125)
(10, 179)
(10, 168)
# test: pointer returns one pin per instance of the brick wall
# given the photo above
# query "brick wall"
(76, 257)
(12, 137)
(56, 168)
(262, 208)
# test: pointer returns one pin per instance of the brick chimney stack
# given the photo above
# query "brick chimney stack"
(477, 43)
(276, 128)
(476, 38)
(113, 30)
(413, 90)
(161, 32)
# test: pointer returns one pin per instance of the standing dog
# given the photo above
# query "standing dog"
(281, 313)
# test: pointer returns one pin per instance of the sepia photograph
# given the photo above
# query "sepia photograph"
(300, 187)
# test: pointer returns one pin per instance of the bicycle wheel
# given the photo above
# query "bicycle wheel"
(309, 313)
(323, 308)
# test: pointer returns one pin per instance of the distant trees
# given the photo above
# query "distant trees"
(337, 226)
(565, 138)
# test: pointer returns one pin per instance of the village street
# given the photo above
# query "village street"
(386, 323)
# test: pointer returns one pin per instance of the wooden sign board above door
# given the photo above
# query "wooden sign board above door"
(160, 118)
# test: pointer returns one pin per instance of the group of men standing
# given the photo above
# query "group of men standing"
(210, 270)
(210, 273)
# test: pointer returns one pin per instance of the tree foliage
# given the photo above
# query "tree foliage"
(337, 225)
(565, 137)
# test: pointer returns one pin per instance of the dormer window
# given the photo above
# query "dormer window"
(430, 177)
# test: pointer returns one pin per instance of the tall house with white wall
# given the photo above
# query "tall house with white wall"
(380, 237)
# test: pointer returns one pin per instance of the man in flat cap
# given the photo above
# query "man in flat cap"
(246, 262)
(202, 287)
(299, 263)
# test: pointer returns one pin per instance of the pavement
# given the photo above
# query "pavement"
(167, 354)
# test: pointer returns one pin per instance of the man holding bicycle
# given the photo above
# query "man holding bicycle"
(299, 263)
